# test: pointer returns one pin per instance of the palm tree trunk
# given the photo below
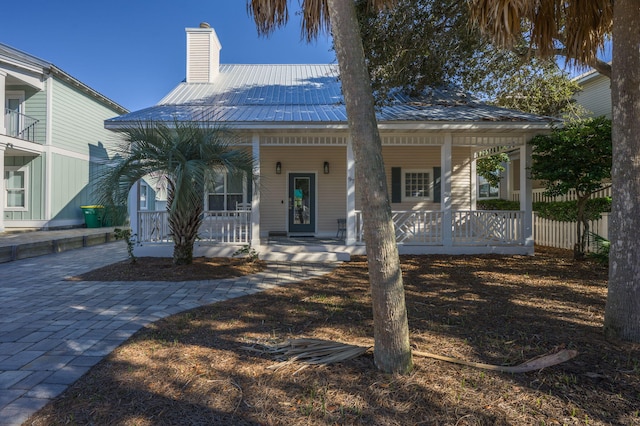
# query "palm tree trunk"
(622, 311)
(184, 222)
(392, 353)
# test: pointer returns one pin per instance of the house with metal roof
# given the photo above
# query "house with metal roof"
(52, 142)
(293, 119)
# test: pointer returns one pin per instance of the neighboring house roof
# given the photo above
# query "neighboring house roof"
(277, 94)
(16, 58)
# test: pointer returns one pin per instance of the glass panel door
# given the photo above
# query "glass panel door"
(13, 113)
(302, 202)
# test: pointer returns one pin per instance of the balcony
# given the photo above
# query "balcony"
(20, 126)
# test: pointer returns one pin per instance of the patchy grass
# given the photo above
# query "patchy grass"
(191, 368)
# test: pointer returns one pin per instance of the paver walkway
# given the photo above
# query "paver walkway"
(52, 331)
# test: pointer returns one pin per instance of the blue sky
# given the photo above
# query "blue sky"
(134, 51)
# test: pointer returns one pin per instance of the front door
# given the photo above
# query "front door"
(302, 202)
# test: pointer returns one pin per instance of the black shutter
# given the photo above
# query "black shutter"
(396, 185)
(437, 185)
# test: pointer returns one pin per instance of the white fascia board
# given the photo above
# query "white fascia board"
(31, 78)
(406, 126)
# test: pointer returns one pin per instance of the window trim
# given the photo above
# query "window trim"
(144, 189)
(430, 184)
(226, 193)
(25, 170)
(482, 181)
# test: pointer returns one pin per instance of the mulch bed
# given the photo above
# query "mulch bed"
(192, 368)
(163, 269)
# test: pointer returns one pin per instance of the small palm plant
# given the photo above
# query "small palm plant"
(189, 155)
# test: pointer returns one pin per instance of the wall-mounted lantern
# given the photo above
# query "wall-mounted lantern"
(326, 167)
(278, 168)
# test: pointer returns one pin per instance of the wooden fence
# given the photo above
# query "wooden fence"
(552, 233)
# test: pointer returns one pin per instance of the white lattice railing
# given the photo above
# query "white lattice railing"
(217, 226)
(468, 227)
(487, 227)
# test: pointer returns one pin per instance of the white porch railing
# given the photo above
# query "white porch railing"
(217, 226)
(477, 227)
(488, 227)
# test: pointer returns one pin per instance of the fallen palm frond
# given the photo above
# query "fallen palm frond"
(533, 364)
(317, 351)
(310, 351)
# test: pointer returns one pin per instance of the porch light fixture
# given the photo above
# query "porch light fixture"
(278, 168)
(326, 167)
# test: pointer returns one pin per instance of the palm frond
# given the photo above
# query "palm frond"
(579, 27)
(268, 14)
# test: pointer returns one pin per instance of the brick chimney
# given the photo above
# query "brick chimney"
(203, 54)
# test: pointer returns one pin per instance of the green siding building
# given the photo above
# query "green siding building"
(52, 142)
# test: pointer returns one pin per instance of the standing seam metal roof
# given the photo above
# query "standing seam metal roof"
(303, 94)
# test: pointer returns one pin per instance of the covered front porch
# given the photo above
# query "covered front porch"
(444, 221)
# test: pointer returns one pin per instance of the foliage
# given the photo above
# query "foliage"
(491, 167)
(577, 157)
(567, 211)
(129, 239)
(498, 204)
(247, 251)
(599, 248)
(189, 155)
(429, 43)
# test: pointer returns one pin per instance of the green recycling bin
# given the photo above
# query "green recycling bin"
(93, 216)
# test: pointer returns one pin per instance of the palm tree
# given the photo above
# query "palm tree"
(392, 352)
(188, 155)
(581, 27)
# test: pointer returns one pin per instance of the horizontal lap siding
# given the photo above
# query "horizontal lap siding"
(426, 158)
(331, 188)
(71, 179)
(78, 122)
(461, 178)
(596, 96)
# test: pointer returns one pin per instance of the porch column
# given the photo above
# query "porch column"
(447, 215)
(2, 202)
(473, 205)
(350, 238)
(526, 196)
(3, 77)
(255, 200)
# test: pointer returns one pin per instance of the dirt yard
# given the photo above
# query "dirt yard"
(193, 368)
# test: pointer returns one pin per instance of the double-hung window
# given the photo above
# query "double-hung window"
(417, 185)
(16, 188)
(227, 192)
